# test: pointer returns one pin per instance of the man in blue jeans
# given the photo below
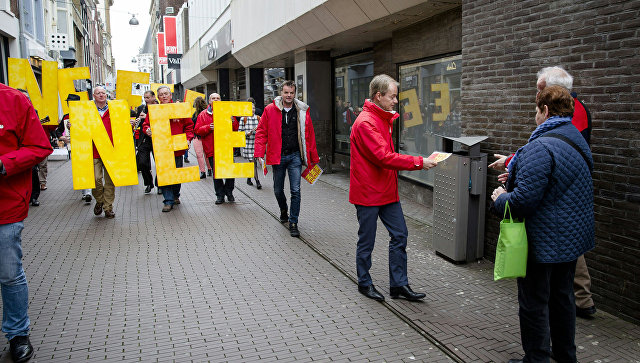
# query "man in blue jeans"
(23, 144)
(285, 134)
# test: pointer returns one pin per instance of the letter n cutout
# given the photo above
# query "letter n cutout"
(87, 129)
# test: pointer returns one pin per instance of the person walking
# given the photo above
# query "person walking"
(203, 162)
(103, 193)
(204, 128)
(171, 193)
(248, 125)
(373, 188)
(549, 184)
(145, 146)
(23, 144)
(285, 135)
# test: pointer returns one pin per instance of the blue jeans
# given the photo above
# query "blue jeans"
(172, 192)
(291, 163)
(15, 293)
(548, 311)
(392, 218)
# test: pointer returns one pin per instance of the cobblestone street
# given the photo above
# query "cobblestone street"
(228, 283)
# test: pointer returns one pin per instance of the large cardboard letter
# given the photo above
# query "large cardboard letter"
(123, 86)
(87, 129)
(190, 96)
(66, 76)
(225, 139)
(442, 101)
(45, 101)
(164, 144)
(413, 106)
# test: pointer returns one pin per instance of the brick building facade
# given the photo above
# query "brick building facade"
(504, 44)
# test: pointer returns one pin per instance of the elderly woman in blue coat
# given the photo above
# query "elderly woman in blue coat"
(550, 185)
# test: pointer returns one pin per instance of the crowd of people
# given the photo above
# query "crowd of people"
(548, 182)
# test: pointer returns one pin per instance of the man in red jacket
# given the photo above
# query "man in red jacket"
(171, 193)
(23, 144)
(285, 133)
(374, 188)
(104, 193)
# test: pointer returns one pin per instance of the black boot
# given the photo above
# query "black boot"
(406, 292)
(20, 348)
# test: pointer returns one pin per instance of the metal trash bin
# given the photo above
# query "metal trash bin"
(459, 201)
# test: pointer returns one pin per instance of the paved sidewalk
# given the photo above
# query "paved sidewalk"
(228, 283)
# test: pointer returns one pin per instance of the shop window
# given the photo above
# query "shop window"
(429, 106)
(352, 76)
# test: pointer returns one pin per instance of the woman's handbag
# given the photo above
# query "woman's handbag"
(512, 248)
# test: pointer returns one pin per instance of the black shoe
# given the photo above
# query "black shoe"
(186, 160)
(231, 198)
(220, 200)
(406, 292)
(284, 217)
(21, 349)
(147, 190)
(258, 185)
(87, 198)
(293, 230)
(159, 190)
(34, 202)
(209, 172)
(586, 313)
(203, 175)
(97, 210)
(371, 292)
(515, 361)
(249, 181)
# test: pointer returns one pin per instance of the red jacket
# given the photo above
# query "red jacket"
(269, 134)
(106, 120)
(178, 126)
(374, 163)
(23, 144)
(204, 131)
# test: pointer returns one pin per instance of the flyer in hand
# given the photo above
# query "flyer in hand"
(263, 164)
(439, 156)
(312, 174)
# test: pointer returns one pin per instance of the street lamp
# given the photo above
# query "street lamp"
(133, 20)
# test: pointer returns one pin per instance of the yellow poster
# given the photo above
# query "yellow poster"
(66, 87)
(45, 101)
(225, 139)
(412, 106)
(124, 82)
(87, 129)
(190, 96)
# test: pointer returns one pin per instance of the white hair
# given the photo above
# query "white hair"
(100, 87)
(556, 76)
(161, 87)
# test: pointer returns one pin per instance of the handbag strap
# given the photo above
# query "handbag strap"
(506, 208)
(572, 144)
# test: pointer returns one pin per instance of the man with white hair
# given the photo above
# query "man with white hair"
(557, 76)
(104, 193)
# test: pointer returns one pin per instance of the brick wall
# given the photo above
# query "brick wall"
(504, 44)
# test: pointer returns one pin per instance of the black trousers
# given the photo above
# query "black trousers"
(35, 183)
(144, 160)
(222, 187)
(548, 311)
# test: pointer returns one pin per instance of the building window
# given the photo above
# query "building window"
(352, 76)
(429, 105)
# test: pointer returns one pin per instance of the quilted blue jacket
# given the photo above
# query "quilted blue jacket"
(553, 190)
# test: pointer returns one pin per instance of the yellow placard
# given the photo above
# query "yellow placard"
(124, 81)
(190, 96)
(45, 101)
(413, 107)
(66, 87)
(442, 101)
(225, 139)
(164, 144)
(87, 129)
(154, 87)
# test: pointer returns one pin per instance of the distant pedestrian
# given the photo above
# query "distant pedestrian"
(374, 188)
(203, 162)
(248, 125)
(145, 145)
(204, 128)
(23, 144)
(171, 193)
(550, 185)
(285, 134)
(104, 192)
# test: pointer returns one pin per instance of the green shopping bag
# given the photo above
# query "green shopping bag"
(512, 248)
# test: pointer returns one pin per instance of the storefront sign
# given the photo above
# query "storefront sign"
(174, 60)
(216, 46)
(162, 54)
(170, 35)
